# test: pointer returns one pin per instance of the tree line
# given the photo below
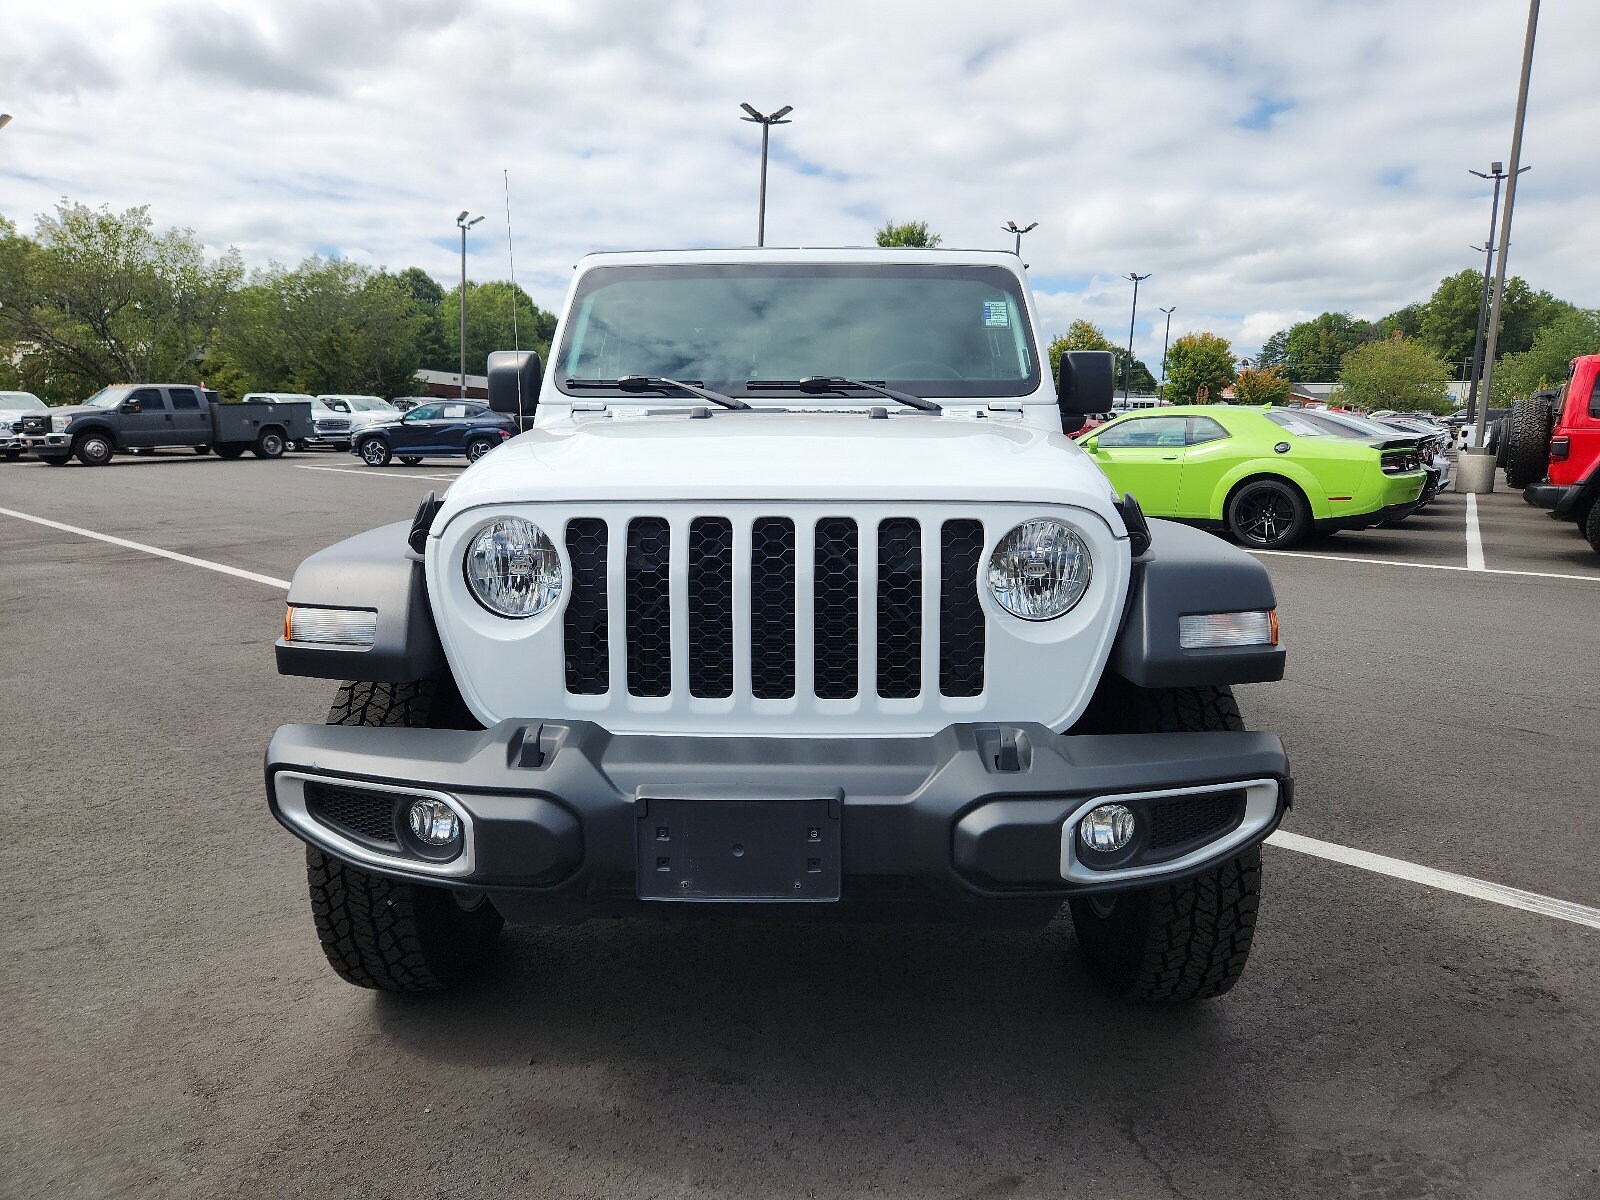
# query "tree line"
(93, 298)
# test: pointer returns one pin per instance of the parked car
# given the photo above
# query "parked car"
(440, 428)
(136, 417)
(287, 398)
(1438, 464)
(1570, 488)
(732, 630)
(360, 411)
(13, 407)
(1267, 476)
(1435, 441)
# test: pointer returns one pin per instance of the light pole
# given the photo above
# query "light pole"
(1483, 481)
(1165, 339)
(463, 224)
(1127, 367)
(1497, 173)
(766, 124)
(1012, 227)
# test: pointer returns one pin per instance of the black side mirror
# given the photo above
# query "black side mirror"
(514, 378)
(131, 408)
(1084, 386)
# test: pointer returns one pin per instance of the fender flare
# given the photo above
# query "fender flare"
(75, 431)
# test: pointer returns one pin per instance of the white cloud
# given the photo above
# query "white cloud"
(1126, 131)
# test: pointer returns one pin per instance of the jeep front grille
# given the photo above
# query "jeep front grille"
(791, 617)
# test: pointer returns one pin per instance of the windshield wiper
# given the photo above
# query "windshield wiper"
(824, 384)
(657, 383)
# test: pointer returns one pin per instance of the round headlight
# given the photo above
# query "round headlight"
(513, 569)
(1040, 570)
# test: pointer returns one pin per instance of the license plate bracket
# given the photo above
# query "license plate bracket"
(749, 850)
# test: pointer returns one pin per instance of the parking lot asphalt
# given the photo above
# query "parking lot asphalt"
(174, 1030)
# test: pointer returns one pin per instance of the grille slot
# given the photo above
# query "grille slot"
(899, 608)
(362, 815)
(649, 607)
(586, 623)
(961, 627)
(836, 592)
(711, 608)
(1183, 821)
(772, 571)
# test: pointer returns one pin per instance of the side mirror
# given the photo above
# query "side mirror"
(1084, 386)
(514, 378)
(1091, 444)
(131, 408)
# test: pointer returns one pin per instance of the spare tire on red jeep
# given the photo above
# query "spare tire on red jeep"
(1526, 434)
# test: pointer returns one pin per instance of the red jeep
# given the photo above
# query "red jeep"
(1572, 484)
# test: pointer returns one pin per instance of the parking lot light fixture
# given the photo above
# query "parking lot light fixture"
(1127, 367)
(5, 119)
(1013, 227)
(766, 123)
(463, 224)
(1166, 340)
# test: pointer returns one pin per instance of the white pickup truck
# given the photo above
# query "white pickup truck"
(793, 602)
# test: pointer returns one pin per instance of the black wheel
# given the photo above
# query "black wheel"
(55, 460)
(374, 451)
(410, 460)
(202, 450)
(1591, 525)
(229, 451)
(268, 445)
(1527, 441)
(94, 449)
(478, 447)
(1268, 514)
(13, 455)
(1174, 942)
(384, 933)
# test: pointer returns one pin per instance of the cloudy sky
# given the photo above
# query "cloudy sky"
(1263, 160)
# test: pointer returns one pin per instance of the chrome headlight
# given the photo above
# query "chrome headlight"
(1040, 570)
(513, 569)
(59, 424)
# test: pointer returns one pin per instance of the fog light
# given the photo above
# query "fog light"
(1106, 829)
(434, 822)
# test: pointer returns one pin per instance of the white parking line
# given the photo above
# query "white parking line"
(1447, 881)
(369, 473)
(187, 559)
(1391, 562)
(1474, 539)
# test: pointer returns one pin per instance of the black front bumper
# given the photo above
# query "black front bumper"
(561, 817)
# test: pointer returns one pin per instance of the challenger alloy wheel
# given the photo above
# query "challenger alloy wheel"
(1268, 515)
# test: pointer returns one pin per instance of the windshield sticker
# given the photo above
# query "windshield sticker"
(996, 314)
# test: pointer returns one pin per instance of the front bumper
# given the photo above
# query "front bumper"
(562, 820)
(48, 443)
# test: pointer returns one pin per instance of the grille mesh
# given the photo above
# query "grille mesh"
(899, 608)
(961, 628)
(836, 593)
(368, 816)
(772, 608)
(711, 607)
(649, 607)
(1184, 819)
(588, 645)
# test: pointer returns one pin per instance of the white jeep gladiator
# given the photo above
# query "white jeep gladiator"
(793, 601)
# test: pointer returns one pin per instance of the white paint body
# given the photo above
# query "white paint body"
(1000, 460)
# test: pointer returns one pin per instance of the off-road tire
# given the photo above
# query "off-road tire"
(389, 934)
(477, 448)
(1527, 436)
(1591, 525)
(374, 451)
(233, 451)
(1175, 942)
(1290, 522)
(268, 445)
(56, 460)
(93, 449)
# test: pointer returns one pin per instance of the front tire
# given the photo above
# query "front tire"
(94, 450)
(1175, 942)
(375, 452)
(388, 934)
(1268, 514)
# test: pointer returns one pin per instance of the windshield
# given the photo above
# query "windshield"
(21, 401)
(108, 397)
(926, 329)
(1297, 425)
(368, 404)
(1349, 425)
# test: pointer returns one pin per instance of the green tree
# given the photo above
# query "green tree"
(1314, 349)
(1395, 372)
(97, 297)
(908, 233)
(1261, 385)
(1405, 321)
(1085, 335)
(1546, 362)
(1448, 322)
(1275, 350)
(1199, 366)
(489, 307)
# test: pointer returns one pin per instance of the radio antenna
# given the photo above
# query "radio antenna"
(516, 343)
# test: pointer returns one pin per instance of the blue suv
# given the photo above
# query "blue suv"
(441, 428)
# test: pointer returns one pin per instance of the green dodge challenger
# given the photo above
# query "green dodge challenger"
(1262, 474)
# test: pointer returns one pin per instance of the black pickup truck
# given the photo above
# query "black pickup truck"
(143, 417)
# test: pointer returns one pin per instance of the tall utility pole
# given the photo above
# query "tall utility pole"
(766, 124)
(1012, 227)
(1497, 173)
(1165, 339)
(1127, 367)
(1493, 334)
(463, 224)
